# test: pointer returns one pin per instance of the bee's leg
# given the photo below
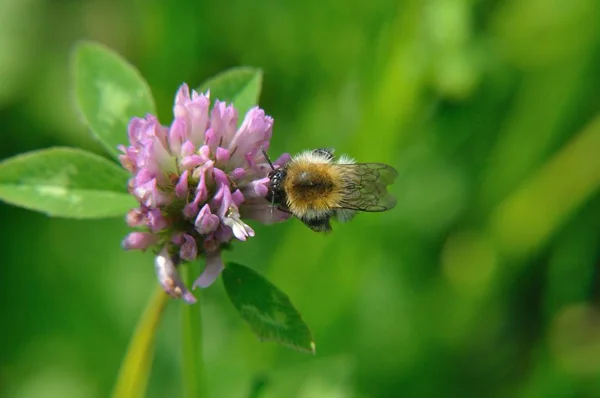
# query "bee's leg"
(317, 224)
(327, 153)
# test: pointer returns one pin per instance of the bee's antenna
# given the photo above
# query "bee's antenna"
(267, 157)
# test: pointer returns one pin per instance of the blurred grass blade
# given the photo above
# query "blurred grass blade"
(240, 86)
(136, 366)
(267, 310)
(65, 182)
(531, 214)
(191, 328)
(109, 91)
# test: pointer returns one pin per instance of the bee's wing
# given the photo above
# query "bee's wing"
(364, 186)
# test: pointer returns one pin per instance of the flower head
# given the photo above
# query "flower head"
(197, 181)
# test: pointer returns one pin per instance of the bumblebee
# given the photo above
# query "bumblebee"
(315, 187)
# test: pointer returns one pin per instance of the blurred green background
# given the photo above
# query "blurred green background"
(483, 281)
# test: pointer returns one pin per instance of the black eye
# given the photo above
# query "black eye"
(275, 175)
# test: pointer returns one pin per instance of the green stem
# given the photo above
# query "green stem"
(135, 369)
(192, 342)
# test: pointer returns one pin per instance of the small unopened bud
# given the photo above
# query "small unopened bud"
(139, 240)
(189, 248)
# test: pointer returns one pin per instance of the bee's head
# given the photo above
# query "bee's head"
(276, 194)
